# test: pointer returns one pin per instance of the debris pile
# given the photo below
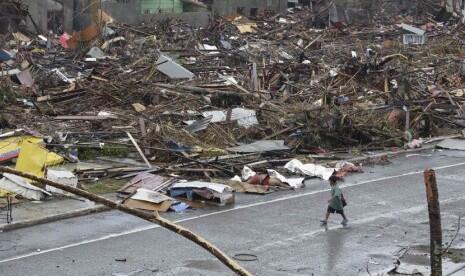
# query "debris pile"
(208, 103)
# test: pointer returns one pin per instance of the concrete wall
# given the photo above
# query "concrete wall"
(38, 13)
(76, 12)
(353, 11)
(456, 5)
(157, 6)
(130, 13)
(230, 7)
(12, 16)
(83, 10)
(69, 16)
(196, 19)
(71, 10)
(363, 11)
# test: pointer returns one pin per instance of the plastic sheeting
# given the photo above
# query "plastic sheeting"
(11, 147)
(219, 188)
(17, 185)
(296, 166)
(33, 159)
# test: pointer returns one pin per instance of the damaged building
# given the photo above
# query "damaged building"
(12, 15)
(59, 15)
(71, 15)
(216, 7)
(265, 97)
(246, 7)
(193, 12)
(51, 14)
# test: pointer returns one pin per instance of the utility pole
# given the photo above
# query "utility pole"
(434, 222)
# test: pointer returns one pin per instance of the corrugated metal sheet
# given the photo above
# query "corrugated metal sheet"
(147, 181)
(199, 124)
(169, 67)
(414, 39)
(260, 146)
(413, 29)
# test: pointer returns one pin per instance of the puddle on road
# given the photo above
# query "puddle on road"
(209, 265)
(132, 273)
(6, 245)
(420, 255)
(456, 255)
(416, 261)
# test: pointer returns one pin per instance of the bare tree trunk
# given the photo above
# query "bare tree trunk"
(434, 222)
(152, 217)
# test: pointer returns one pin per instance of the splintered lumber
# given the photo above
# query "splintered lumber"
(152, 217)
(196, 90)
(139, 150)
(84, 118)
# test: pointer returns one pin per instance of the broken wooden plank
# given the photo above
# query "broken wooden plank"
(138, 149)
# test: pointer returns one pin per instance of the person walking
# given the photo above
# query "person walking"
(336, 204)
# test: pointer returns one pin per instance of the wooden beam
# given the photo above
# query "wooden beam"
(434, 222)
(152, 217)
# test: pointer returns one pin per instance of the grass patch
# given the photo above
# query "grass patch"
(92, 153)
(104, 186)
(7, 95)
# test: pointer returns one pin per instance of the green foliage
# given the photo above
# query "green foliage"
(104, 186)
(92, 153)
(7, 95)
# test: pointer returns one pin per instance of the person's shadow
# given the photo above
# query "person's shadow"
(334, 247)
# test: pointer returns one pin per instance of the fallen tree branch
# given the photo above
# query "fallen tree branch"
(368, 270)
(199, 90)
(152, 217)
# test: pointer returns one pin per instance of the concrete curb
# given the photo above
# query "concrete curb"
(101, 208)
(52, 218)
(364, 159)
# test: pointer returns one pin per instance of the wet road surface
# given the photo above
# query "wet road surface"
(387, 212)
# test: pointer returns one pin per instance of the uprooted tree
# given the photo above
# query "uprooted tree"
(152, 217)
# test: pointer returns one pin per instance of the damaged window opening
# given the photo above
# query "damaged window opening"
(55, 18)
(240, 10)
(292, 3)
(253, 12)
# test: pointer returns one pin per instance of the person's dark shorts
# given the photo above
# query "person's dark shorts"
(332, 211)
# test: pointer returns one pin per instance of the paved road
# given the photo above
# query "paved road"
(387, 212)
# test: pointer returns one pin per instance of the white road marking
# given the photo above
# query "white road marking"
(149, 227)
(305, 236)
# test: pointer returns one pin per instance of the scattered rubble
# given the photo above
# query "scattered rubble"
(195, 107)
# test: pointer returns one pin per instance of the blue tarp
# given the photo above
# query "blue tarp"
(5, 55)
